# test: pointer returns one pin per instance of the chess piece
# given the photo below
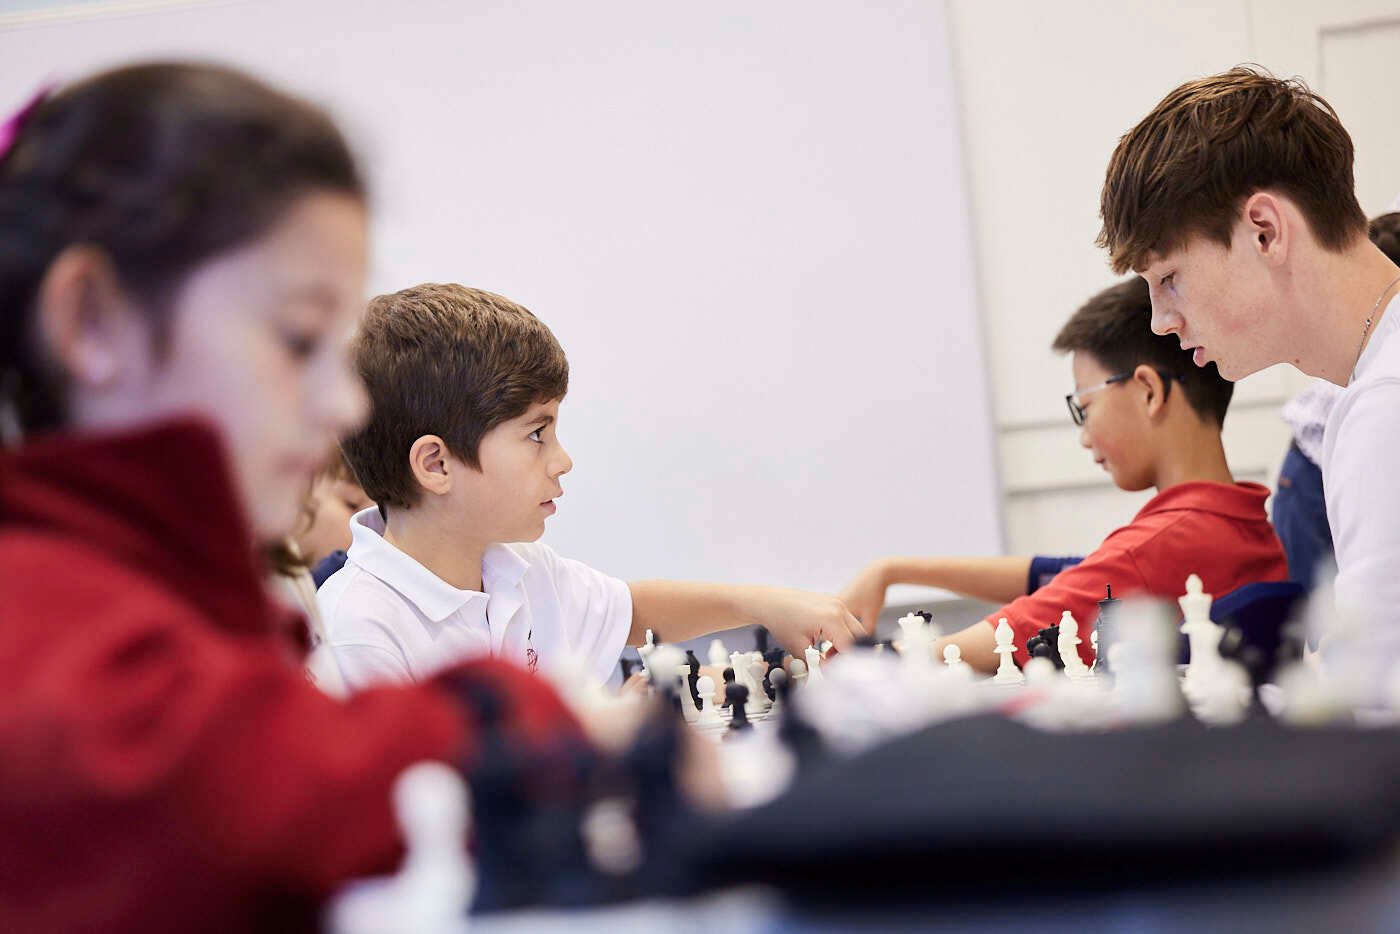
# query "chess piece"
(1146, 689)
(689, 710)
(1203, 635)
(1007, 672)
(1104, 631)
(1227, 695)
(1045, 644)
(707, 715)
(717, 655)
(1041, 673)
(778, 681)
(692, 677)
(758, 674)
(917, 642)
(737, 696)
(799, 674)
(814, 664)
(666, 667)
(644, 651)
(1068, 644)
(436, 882)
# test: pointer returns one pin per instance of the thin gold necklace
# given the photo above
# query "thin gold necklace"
(1366, 331)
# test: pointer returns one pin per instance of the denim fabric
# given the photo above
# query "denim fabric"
(1300, 516)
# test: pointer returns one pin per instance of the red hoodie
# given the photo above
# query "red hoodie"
(164, 764)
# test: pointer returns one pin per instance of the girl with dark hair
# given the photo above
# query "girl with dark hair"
(182, 260)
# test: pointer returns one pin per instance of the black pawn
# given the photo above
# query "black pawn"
(693, 679)
(736, 696)
(728, 683)
(777, 684)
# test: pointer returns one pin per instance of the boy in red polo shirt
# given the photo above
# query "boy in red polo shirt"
(1151, 418)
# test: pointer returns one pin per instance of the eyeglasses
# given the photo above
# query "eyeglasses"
(1076, 408)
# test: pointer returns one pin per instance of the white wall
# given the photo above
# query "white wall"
(1046, 89)
(745, 221)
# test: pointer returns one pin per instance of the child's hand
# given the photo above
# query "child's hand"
(866, 595)
(797, 618)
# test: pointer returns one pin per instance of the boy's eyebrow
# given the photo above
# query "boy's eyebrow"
(542, 419)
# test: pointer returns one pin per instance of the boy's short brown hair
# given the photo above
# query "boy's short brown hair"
(450, 361)
(1190, 164)
(1115, 327)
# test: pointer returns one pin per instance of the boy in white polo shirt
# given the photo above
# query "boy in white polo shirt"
(462, 456)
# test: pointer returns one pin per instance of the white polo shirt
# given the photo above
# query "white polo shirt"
(1360, 471)
(390, 619)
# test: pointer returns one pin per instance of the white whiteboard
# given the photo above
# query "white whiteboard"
(745, 220)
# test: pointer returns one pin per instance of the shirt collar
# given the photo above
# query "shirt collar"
(434, 597)
(1237, 500)
(501, 567)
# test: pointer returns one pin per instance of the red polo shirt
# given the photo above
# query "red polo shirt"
(1216, 530)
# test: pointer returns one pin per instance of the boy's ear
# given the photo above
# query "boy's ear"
(427, 458)
(1267, 224)
(1154, 389)
(86, 324)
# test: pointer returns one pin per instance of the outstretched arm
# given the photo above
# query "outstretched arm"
(996, 580)
(680, 610)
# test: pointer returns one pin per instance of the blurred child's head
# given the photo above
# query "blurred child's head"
(1138, 393)
(335, 496)
(181, 239)
(1385, 234)
(464, 393)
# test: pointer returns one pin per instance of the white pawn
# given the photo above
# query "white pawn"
(1007, 672)
(436, 883)
(707, 716)
(717, 656)
(952, 656)
(799, 674)
(814, 664)
(1068, 644)
(688, 709)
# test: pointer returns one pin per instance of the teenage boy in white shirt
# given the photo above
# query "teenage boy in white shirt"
(462, 455)
(1234, 198)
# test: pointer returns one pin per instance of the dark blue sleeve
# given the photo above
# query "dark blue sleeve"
(1044, 568)
(328, 565)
